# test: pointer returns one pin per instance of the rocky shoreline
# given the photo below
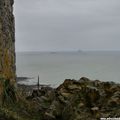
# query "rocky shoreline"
(25, 87)
(84, 99)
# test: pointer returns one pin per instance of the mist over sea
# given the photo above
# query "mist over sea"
(54, 67)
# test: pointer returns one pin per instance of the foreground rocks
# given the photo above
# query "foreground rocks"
(78, 100)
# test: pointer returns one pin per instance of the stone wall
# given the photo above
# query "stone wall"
(7, 40)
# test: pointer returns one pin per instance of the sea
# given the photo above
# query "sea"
(54, 67)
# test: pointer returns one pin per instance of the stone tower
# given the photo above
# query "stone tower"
(7, 40)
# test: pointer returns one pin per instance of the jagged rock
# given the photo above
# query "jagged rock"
(82, 100)
(95, 112)
(114, 100)
(66, 94)
(84, 80)
(54, 110)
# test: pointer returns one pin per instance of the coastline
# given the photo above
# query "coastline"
(28, 89)
(73, 99)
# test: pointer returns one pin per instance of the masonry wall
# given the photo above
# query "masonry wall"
(7, 40)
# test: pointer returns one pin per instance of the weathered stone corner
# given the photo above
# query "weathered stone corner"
(7, 39)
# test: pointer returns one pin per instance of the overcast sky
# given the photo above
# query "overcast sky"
(62, 25)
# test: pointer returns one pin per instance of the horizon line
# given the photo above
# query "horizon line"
(68, 51)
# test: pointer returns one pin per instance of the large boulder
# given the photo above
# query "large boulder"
(84, 100)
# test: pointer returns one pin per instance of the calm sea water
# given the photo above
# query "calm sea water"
(54, 68)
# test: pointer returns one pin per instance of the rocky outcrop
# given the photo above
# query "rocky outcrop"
(7, 40)
(79, 100)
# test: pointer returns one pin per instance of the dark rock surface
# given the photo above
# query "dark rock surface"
(7, 40)
(79, 100)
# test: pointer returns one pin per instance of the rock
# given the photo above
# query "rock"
(95, 109)
(66, 95)
(97, 83)
(79, 100)
(54, 110)
(92, 95)
(49, 116)
(84, 80)
(7, 43)
(81, 105)
(114, 100)
(95, 112)
(115, 88)
(74, 86)
(44, 98)
(50, 95)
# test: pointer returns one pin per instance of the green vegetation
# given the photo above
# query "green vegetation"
(14, 105)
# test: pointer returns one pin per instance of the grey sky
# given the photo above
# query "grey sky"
(43, 25)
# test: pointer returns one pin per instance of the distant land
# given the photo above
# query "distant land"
(66, 51)
(52, 51)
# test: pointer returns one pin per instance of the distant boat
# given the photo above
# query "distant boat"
(79, 51)
(53, 52)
